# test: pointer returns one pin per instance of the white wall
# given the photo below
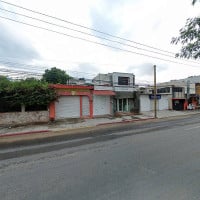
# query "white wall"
(117, 74)
(145, 103)
(148, 105)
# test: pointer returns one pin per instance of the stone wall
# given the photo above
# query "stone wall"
(19, 118)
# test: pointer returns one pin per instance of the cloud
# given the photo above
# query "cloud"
(103, 22)
(85, 70)
(145, 71)
(13, 46)
(104, 16)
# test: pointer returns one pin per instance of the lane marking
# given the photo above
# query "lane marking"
(192, 128)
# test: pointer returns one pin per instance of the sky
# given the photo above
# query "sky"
(142, 23)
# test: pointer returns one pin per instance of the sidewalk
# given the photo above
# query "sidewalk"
(86, 123)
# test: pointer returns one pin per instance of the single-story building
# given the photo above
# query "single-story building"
(80, 101)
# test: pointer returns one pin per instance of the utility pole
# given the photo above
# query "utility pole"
(155, 92)
(188, 90)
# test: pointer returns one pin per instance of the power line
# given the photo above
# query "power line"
(89, 34)
(85, 27)
(16, 74)
(30, 10)
(26, 66)
(103, 38)
(94, 42)
(33, 68)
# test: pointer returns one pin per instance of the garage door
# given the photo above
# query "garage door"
(164, 103)
(101, 105)
(145, 104)
(67, 107)
(153, 104)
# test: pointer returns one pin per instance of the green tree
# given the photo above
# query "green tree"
(4, 82)
(55, 75)
(189, 38)
(28, 92)
(193, 2)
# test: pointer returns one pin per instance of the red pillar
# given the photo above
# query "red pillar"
(91, 108)
(52, 111)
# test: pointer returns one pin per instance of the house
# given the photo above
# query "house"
(168, 97)
(192, 89)
(123, 84)
(80, 101)
(103, 100)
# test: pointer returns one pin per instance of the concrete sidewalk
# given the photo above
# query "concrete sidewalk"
(86, 123)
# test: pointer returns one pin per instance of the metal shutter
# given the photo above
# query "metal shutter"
(145, 103)
(164, 103)
(101, 105)
(67, 107)
(153, 104)
(85, 106)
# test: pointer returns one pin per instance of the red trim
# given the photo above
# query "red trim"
(60, 86)
(64, 93)
(75, 93)
(104, 92)
(80, 94)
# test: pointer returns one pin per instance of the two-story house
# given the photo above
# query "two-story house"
(123, 84)
(168, 97)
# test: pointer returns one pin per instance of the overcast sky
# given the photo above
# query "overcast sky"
(151, 23)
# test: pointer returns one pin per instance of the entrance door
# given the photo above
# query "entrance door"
(123, 105)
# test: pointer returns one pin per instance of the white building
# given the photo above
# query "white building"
(123, 84)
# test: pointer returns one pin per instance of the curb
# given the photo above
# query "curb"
(24, 133)
(125, 121)
(100, 124)
(46, 131)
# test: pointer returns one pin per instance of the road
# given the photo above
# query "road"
(162, 162)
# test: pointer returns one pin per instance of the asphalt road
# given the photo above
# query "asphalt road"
(162, 162)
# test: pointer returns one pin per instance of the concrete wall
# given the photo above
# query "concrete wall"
(148, 105)
(17, 118)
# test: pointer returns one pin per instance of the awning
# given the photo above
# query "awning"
(104, 92)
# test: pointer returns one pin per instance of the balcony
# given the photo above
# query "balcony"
(124, 89)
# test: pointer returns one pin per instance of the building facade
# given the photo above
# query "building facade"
(169, 97)
(79, 101)
(123, 84)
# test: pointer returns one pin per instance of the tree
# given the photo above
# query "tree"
(55, 75)
(30, 92)
(4, 82)
(189, 38)
(193, 2)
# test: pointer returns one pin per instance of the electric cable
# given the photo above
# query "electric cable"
(94, 42)
(89, 34)
(85, 27)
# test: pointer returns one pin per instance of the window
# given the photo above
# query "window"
(163, 90)
(123, 80)
(177, 89)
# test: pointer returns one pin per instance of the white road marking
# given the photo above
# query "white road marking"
(195, 127)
